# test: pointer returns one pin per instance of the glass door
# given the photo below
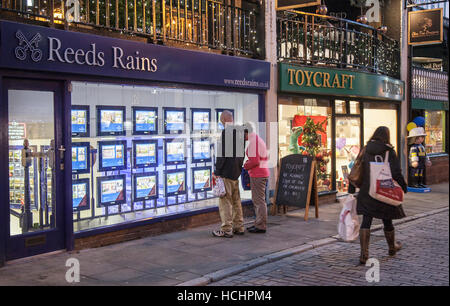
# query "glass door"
(347, 141)
(35, 160)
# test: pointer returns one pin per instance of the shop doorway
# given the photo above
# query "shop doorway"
(33, 188)
(348, 140)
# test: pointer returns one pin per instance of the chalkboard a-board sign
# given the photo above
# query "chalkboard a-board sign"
(291, 4)
(296, 184)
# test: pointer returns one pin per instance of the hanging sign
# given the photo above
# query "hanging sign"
(425, 27)
(291, 4)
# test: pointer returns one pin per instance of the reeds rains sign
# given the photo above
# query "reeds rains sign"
(28, 47)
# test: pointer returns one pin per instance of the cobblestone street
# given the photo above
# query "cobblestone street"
(424, 260)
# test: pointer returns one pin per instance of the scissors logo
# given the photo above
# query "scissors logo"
(25, 45)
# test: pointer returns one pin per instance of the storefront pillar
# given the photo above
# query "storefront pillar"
(405, 107)
(271, 95)
(3, 169)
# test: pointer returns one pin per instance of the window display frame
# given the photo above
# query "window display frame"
(85, 108)
(102, 179)
(170, 163)
(144, 141)
(149, 109)
(86, 145)
(101, 144)
(193, 170)
(200, 110)
(201, 160)
(218, 111)
(177, 193)
(135, 190)
(87, 183)
(99, 109)
(174, 109)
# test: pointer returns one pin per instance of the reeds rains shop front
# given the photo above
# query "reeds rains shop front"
(349, 105)
(100, 135)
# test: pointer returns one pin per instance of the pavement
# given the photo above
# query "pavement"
(423, 261)
(194, 257)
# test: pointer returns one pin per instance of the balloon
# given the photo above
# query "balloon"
(419, 121)
(411, 126)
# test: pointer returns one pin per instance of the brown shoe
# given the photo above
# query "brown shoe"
(394, 246)
(364, 239)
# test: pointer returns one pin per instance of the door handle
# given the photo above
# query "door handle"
(61, 150)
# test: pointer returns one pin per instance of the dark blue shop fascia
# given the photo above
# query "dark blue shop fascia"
(36, 48)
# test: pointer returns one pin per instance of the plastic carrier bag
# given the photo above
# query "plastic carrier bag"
(219, 187)
(348, 227)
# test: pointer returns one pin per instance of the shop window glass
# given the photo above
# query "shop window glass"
(137, 154)
(293, 113)
(354, 108)
(435, 130)
(339, 107)
(347, 149)
(380, 114)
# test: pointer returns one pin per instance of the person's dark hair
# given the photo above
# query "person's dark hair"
(381, 134)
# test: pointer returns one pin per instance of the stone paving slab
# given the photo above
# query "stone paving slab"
(189, 255)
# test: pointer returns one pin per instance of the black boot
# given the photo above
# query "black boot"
(364, 240)
(422, 182)
(394, 246)
(414, 182)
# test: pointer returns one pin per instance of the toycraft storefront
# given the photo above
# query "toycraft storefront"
(343, 108)
(102, 135)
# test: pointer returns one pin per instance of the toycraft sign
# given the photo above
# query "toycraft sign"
(339, 82)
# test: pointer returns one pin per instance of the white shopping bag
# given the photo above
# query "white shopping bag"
(348, 227)
(382, 186)
(219, 187)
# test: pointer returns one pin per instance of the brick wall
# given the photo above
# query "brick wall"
(438, 172)
(166, 227)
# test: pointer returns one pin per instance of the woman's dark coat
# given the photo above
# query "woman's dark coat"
(367, 205)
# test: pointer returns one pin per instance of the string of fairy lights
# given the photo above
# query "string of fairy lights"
(203, 22)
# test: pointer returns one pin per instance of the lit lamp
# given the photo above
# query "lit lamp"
(362, 19)
(322, 9)
(58, 15)
(383, 29)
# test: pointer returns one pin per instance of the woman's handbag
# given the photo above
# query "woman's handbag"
(356, 174)
(245, 179)
(219, 187)
(382, 186)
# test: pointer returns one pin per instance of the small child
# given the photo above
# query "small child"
(418, 158)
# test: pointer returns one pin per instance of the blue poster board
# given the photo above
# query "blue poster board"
(145, 153)
(81, 157)
(80, 119)
(80, 195)
(110, 120)
(145, 120)
(112, 155)
(111, 190)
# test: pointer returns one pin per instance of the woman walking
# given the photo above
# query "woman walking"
(371, 208)
(256, 165)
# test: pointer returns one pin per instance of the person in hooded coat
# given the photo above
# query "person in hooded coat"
(370, 208)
